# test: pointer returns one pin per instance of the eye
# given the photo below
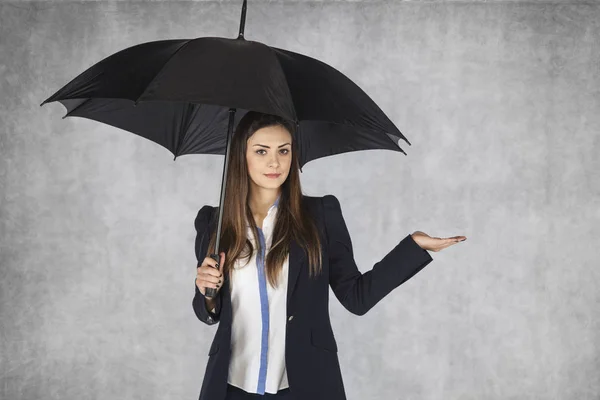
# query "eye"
(258, 151)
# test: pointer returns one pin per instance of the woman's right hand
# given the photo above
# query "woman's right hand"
(207, 275)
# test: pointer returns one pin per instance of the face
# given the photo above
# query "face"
(269, 151)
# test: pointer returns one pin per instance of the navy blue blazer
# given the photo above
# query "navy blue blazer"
(311, 358)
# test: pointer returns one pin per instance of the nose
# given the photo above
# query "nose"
(274, 162)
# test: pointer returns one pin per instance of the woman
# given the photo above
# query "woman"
(283, 251)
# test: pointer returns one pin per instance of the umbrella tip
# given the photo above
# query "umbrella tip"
(242, 20)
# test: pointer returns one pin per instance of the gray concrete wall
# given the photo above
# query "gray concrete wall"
(500, 101)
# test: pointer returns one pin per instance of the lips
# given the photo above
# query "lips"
(272, 175)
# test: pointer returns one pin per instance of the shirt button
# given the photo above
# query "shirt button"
(290, 318)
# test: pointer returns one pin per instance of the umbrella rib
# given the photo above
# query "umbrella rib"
(68, 114)
(161, 69)
(183, 134)
(287, 84)
(402, 137)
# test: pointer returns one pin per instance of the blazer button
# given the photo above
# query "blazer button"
(290, 318)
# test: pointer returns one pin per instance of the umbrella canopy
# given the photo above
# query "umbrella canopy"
(177, 93)
(183, 94)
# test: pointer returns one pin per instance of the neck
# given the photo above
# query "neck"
(262, 200)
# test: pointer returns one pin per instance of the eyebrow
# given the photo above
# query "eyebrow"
(262, 145)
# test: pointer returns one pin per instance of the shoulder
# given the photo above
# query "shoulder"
(327, 199)
(321, 204)
(205, 211)
(204, 215)
(330, 200)
(325, 207)
(331, 204)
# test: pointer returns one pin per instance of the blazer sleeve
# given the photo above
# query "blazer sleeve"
(358, 292)
(202, 237)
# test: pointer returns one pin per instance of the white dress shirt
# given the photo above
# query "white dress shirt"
(259, 323)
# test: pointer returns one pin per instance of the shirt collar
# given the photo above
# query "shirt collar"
(272, 210)
(276, 204)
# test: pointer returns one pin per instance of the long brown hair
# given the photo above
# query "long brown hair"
(292, 219)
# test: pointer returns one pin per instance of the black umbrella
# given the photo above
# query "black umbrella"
(183, 94)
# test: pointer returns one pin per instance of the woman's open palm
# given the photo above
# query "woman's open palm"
(435, 244)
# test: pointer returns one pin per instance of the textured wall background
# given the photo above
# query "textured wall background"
(500, 101)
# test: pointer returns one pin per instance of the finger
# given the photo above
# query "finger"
(211, 266)
(207, 265)
(210, 271)
(455, 239)
(210, 274)
(210, 278)
(460, 237)
(216, 285)
(208, 284)
(202, 285)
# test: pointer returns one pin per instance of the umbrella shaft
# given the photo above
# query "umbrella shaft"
(210, 292)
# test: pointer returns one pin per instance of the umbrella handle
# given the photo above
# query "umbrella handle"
(211, 292)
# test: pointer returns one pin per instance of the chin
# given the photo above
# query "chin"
(272, 185)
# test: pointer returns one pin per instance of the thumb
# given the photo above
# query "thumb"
(222, 254)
